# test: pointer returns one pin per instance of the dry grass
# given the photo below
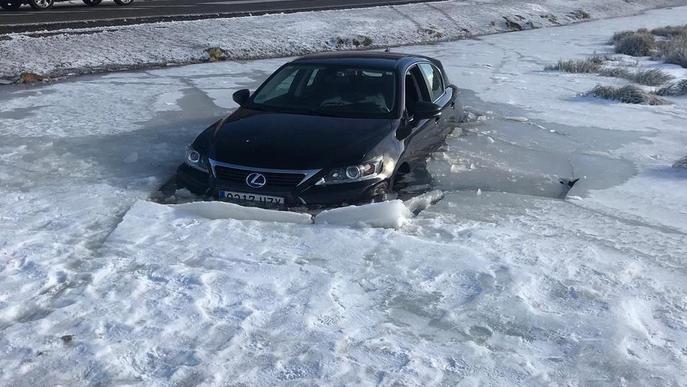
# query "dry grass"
(216, 54)
(579, 66)
(674, 51)
(618, 36)
(682, 163)
(639, 43)
(651, 77)
(626, 94)
(677, 89)
(671, 45)
(670, 31)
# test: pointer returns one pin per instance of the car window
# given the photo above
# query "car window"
(435, 81)
(419, 82)
(329, 90)
(279, 85)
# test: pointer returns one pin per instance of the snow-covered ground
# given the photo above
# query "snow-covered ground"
(88, 50)
(498, 283)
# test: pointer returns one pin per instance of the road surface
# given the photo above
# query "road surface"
(74, 14)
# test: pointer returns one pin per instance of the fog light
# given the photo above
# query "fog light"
(193, 156)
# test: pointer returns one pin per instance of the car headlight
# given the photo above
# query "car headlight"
(353, 173)
(196, 160)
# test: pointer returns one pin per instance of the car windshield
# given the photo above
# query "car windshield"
(334, 90)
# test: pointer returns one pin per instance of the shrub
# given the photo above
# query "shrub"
(580, 14)
(618, 36)
(216, 54)
(636, 44)
(651, 77)
(626, 94)
(674, 51)
(28, 77)
(670, 31)
(356, 41)
(676, 89)
(589, 65)
(682, 163)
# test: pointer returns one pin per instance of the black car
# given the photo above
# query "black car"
(325, 129)
(12, 5)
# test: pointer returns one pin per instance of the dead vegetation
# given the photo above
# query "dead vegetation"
(626, 94)
(216, 54)
(682, 163)
(28, 78)
(354, 41)
(579, 66)
(676, 89)
(653, 77)
(666, 43)
(674, 51)
(635, 43)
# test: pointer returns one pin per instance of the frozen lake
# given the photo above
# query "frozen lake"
(500, 282)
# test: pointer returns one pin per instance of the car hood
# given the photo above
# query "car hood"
(294, 141)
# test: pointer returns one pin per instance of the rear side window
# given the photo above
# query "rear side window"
(434, 79)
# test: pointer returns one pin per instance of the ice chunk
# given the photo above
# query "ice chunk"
(422, 202)
(516, 118)
(391, 214)
(222, 210)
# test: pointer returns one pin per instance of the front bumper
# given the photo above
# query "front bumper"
(307, 193)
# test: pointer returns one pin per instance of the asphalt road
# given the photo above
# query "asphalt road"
(74, 13)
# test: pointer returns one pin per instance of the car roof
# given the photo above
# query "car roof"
(378, 59)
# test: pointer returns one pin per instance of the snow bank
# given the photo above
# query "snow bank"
(390, 214)
(110, 48)
(221, 210)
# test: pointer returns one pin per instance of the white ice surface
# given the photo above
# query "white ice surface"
(390, 214)
(219, 210)
(495, 288)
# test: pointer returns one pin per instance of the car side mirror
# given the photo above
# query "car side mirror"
(241, 96)
(424, 110)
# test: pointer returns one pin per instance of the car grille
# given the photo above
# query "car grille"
(274, 179)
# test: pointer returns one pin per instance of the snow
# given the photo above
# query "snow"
(88, 50)
(494, 281)
(390, 214)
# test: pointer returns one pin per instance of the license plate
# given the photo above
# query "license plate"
(249, 197)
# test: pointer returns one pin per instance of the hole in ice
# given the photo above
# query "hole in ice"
(499, 150)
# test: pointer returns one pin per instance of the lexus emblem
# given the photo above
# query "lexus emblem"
(256, 180)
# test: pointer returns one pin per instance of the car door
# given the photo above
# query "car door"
(443, 95)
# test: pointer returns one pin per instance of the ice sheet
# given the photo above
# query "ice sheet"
(498, 283)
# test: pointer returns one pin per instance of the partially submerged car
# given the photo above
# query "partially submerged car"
(325, 129)
(12, 5)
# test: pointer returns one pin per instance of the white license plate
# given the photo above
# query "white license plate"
(249, 197)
